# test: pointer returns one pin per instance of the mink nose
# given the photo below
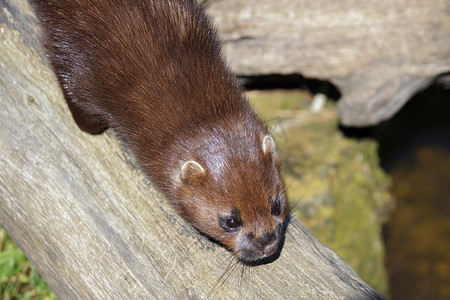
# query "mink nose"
(252, 248)
(270, 244)
(268, 238)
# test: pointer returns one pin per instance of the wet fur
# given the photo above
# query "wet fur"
(153, 72)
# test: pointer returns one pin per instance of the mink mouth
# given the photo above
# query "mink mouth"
(251, 258)
(251, 255)
(262, 250)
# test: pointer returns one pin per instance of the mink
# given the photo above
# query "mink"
(153, 71)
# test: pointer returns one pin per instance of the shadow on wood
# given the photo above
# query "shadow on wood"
(95, 227)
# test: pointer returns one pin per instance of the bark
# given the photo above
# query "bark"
(96, 228)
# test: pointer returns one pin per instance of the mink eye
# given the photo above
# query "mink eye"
(230, 224)
(276, 207)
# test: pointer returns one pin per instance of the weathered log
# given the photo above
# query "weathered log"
(377, 52)
(96, 228)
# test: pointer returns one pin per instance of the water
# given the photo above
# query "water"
(417, 237)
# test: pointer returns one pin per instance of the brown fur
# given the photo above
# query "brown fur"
(153, 71)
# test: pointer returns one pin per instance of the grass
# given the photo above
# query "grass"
(18, 278)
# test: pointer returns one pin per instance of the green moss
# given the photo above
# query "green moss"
(18, 279)
(342, 192)
(270, 103)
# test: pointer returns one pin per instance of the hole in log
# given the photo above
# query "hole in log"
(290, 81)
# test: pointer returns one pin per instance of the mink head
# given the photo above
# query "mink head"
(230, 188)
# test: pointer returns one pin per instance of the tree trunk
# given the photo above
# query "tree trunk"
(96, 228)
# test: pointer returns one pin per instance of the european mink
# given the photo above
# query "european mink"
(153, 71)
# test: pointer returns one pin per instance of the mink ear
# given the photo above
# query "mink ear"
(191, 169)
(268, 145)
